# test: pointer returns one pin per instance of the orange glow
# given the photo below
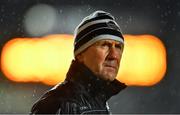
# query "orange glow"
(39, 59)
(144, 60)
(48, 59)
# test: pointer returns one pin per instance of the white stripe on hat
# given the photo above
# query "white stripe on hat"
(91, 23)
(97, 38)
(82, 37)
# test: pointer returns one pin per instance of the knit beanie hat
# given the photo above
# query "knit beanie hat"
(97, 26)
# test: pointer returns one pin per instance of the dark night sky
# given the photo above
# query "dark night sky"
(157, 17)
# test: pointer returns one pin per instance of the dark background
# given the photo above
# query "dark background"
(157, 17)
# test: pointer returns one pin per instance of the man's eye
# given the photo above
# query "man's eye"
(118, 46)
(106, 44)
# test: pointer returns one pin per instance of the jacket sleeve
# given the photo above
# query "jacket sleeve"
(44, 106)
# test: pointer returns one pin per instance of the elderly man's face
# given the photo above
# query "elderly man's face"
(103, 58)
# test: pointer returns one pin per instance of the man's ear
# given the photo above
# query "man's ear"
(79, 57)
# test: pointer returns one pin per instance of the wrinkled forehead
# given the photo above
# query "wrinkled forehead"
(109, 41)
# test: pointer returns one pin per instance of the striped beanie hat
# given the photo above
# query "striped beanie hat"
(97, 26)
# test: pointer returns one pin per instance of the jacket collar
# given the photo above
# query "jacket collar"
(80, 74)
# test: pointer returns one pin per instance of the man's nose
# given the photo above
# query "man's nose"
(113, 53)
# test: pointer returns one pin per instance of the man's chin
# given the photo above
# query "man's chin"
(109, 77)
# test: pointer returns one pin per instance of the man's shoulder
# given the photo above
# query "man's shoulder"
(65, 89)
(55, 98)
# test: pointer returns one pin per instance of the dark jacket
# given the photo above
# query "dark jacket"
(81, 92)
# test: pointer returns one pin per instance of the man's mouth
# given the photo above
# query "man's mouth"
(111, 66)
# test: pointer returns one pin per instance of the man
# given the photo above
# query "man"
(90, 81)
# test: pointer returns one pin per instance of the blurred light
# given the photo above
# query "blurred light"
(40, 19)
(39, 60)
(144, 60)
(48, 59)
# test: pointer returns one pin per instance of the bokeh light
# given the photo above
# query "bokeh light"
(38, 60)
(47, 59)
(40, 19)
(144, 60)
